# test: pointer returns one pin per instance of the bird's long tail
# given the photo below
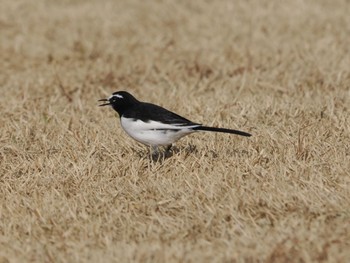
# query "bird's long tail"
(213, 129)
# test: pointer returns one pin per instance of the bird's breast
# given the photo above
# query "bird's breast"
(154, 133)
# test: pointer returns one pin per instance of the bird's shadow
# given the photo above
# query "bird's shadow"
(160, 156)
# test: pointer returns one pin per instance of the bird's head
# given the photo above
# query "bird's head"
(120, 101)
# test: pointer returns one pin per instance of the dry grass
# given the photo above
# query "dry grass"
(75, 188)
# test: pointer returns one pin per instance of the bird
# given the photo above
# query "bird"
(153, 125)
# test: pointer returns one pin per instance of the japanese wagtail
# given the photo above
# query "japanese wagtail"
(154, 125)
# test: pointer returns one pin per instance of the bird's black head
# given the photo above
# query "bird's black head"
(120, 101)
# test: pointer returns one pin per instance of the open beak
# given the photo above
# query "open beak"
(104, 104)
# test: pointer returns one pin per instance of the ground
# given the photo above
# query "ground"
(75, 188)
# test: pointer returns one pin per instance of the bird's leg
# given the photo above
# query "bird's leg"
(154, 152)
(168, 148)
(168, 152)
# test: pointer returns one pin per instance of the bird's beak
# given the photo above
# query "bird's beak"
(104, 104)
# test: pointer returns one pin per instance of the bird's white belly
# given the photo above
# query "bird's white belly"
(154, 133)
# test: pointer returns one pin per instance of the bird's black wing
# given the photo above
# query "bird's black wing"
(151, 112)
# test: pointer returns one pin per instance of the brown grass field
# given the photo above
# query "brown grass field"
(75, 188)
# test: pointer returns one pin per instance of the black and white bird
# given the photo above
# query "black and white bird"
(153, 125)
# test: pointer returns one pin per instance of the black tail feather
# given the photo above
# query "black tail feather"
(214, 129)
